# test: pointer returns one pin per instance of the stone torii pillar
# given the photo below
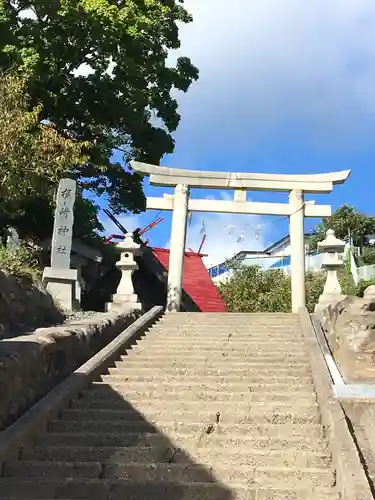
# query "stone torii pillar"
(297, 248)
(177, 247)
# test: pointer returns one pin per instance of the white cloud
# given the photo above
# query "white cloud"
(266, 64)
(27, 14)
(226, 234)
(83, 69)
(130, 222)
(269, 63)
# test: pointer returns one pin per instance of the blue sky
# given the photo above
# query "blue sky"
(285, 87)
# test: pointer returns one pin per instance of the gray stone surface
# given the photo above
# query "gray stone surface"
(207, 434)
(350, 330)
(328, 317)
(63, 224)
(62, 285)
(74, 316)
(351, 480)
(24, 306)
(59, 279)
(31, 365)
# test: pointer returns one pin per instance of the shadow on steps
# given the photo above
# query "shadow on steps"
(102, 448)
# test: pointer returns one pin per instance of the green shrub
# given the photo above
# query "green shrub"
(252, 289)
(347, 283)
(314, 288)
(18, 263)
(367, 256)
(362, 285)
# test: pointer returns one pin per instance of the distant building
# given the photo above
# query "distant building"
(276, 256)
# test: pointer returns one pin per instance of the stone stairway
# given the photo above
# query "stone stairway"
(203, 407)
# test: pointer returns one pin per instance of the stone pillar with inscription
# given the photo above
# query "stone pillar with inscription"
(59, 279)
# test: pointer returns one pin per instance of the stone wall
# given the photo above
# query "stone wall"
(31, 365)
(350, 330)
(24, 306)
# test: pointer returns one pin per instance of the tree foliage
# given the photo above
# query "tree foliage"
(367, 257)
(124, 101)
(34, 219)
(362, 285)
(314, 283)
(346, 221)
(253, 289)
(33, 156)
(18, 263)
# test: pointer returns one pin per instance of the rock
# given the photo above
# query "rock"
(328, 318)
(24, 306)
(350, 328)
(369, 294)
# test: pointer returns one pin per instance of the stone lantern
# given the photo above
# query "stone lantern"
(125, 296)
(331, 247)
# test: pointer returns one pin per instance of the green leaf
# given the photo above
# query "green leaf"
(346, 221)
(253, 289)
(107, 111)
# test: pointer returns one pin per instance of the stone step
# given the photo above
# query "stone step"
(231, 325)
(244, 322)
(225, 338)
(207, 331)
(277, 370)
(240, 474)
(300, 427)
(198, 315)
(226, 316)
(223, 362)
(218, 345)
(94, 489)
(224, 335)
(152, 405)
(157, 406)
(104, 399)
(235, 319)
(216, 348)
(196, 354)
(114, 441)
(277, 414)
(247, 340)
(241, 456)
(180, 383)
(217, 394)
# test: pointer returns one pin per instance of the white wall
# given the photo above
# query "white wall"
(313, 262)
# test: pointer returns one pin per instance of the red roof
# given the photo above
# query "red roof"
(196, 282)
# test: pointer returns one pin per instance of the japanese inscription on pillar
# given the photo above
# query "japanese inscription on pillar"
(63, 224)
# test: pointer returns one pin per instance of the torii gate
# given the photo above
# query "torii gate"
(182, 180)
